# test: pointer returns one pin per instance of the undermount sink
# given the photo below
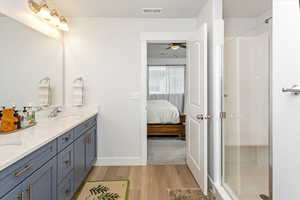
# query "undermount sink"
(66, 117)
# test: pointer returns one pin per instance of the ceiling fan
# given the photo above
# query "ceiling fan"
(176, 46)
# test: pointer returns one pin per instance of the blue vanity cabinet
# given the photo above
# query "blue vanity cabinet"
(65, 162)
(15, 194)
(66, 189)
(90, 148)
(40, 185)
(54, 171)
(79, 160)
(15, 174)
(85, 154)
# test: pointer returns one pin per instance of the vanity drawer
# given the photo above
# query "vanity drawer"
(79, 130)
(66, 189)
(65, 162)
(65, 140)
(16, 173)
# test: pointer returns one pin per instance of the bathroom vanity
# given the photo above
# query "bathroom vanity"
(52, 160)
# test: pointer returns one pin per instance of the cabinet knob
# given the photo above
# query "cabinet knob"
(67, 162)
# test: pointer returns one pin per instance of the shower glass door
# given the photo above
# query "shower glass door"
(245, 127)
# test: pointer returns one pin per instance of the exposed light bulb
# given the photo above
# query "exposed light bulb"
(54, 18)
(45, 12)
(63, 24)
(35, 7)
(175, 47)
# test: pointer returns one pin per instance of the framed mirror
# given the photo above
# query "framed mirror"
(31, 66)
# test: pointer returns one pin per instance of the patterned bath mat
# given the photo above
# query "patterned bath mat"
(189, 194)
(104, 190)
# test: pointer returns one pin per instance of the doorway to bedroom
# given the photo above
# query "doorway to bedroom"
(166, 93)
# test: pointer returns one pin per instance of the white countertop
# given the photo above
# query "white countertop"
(46, 130)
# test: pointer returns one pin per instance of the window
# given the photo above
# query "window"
(166, 79)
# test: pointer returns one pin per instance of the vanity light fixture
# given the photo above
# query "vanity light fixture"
(63, 24)
(51, 16)
(45, 12)
(54, 18)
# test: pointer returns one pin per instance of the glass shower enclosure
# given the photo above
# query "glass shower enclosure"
(245, 123)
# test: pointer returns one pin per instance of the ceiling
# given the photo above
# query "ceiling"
(246, 8)
(128, 8)
(161, 51)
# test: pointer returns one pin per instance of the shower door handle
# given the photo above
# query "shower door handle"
(294, 89)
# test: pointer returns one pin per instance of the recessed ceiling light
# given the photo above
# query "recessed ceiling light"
(152, 10)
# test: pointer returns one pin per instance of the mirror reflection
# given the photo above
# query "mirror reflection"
(31, 66)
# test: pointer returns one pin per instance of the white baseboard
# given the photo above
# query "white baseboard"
(119, 161)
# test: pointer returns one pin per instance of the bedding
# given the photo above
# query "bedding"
(162, 112)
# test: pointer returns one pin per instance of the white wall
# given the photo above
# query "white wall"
(107, 54)
(241, 26)
(286, 71)
(19, 10)
(26, 57)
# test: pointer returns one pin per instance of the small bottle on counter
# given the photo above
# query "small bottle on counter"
(1, 114)
(18, 122)
(24, 120)
(30, 115)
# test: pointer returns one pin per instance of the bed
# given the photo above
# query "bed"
(163, 118)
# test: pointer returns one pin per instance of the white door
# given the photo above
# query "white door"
(197, 117)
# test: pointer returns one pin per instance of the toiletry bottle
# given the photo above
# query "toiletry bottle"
(18, 122)
(28, 115)
(24, 122)
(33, 116)
(1, 114)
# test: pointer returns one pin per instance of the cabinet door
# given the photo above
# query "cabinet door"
(90, 148)
(42, 183)
(15, 194)
(79, 160)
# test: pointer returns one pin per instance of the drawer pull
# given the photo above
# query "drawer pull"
(21, 196)
(29, 190)
(19, 173)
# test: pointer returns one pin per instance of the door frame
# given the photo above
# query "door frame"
(145, 38)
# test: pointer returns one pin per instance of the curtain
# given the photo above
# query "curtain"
(167, 83)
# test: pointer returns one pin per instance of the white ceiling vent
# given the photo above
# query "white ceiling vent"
(152, 10)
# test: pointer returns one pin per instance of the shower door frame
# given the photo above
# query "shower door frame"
(270, 135)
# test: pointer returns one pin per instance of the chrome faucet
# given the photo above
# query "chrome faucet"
(55, 112)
